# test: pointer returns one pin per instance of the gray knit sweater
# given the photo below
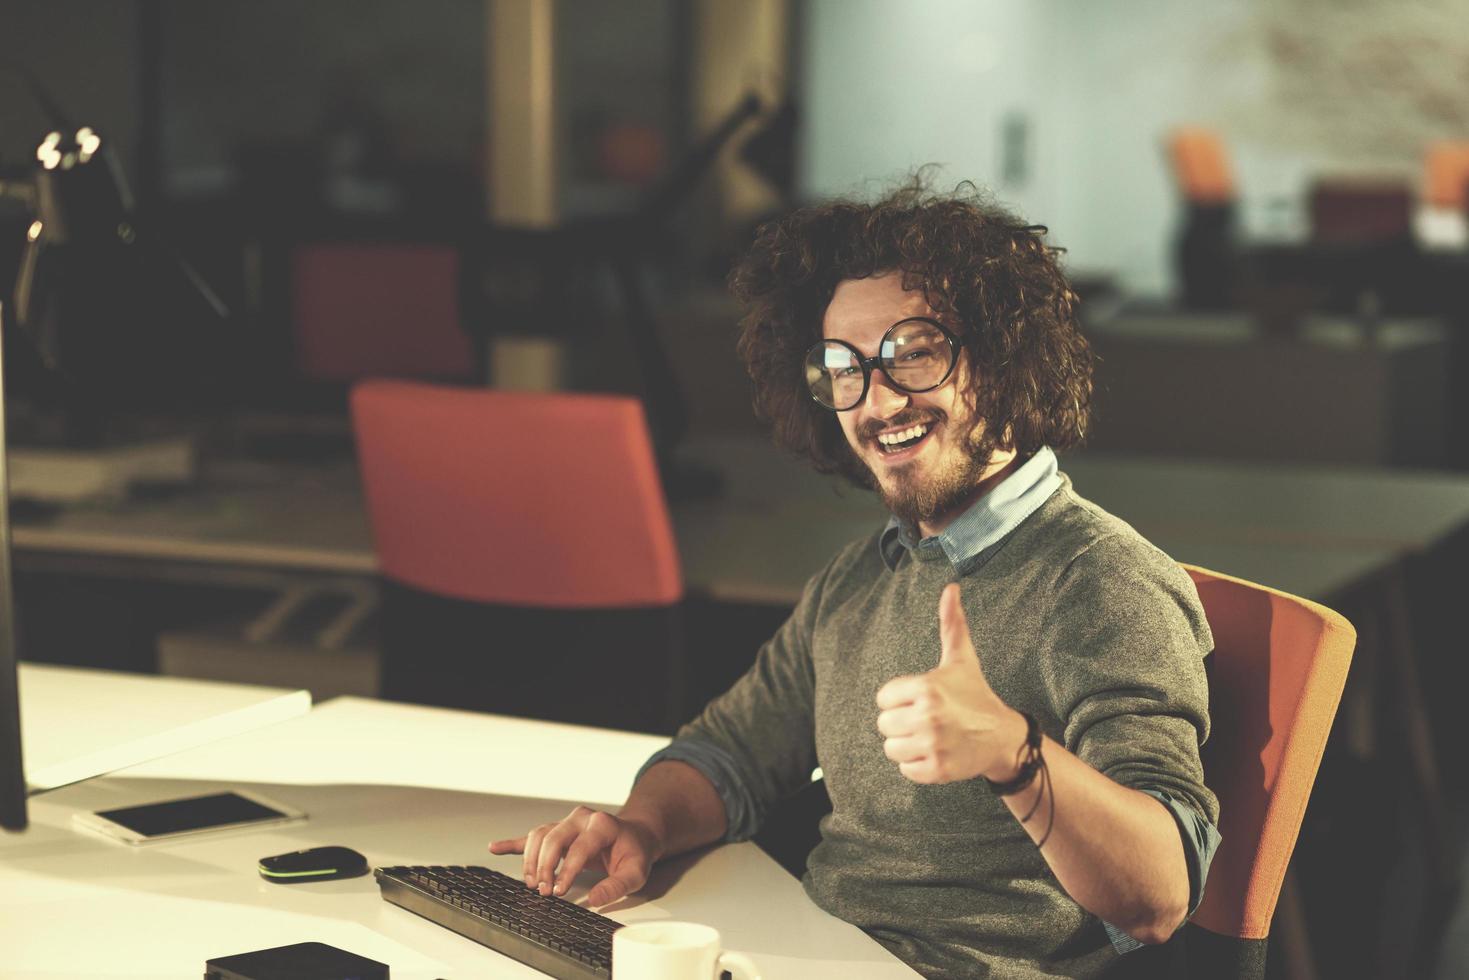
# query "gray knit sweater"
(1077, 620)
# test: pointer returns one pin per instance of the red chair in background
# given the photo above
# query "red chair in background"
(1446, 174)
(529, 560)
(370, 309)
(1200, 165)
(1206, 257)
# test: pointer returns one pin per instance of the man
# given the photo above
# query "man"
(1004, 687)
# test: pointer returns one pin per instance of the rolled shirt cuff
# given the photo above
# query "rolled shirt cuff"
(742, 812)
(1200, 841)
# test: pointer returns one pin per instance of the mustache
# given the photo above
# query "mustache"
(908, 417)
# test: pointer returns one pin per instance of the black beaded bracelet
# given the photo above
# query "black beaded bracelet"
(1028, 768)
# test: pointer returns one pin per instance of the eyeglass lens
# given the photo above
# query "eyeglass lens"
(915, 355)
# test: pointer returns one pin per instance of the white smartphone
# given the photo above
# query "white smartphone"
(185, 817)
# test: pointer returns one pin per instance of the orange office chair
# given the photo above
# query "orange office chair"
(1275, 678)
(1446, 173)
(528, 558)
(1206, 255)
(1201, 165)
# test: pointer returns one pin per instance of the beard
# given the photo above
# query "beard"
(915, 495)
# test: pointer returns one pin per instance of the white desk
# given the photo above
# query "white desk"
(403, 785)
(77, 723)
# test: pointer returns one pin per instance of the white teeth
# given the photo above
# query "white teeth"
(892, 438)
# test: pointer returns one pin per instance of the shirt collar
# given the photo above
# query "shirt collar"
(988, 520)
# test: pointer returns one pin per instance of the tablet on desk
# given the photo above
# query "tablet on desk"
(186, 817)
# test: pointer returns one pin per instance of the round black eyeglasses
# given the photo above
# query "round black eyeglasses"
(916, 354)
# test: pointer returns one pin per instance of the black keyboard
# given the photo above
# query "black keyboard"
(552, 935)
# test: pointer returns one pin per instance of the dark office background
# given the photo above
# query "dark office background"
(1313, 313)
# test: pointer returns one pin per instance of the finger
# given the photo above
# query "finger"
(628, 878)
(565, 830)
(514, 845)
(904, 750)
(533, 853)
(920, 771)
(553, 847)
(600, 833)
(901, 690)
(577, 855)
(897, 721)
(956, 644)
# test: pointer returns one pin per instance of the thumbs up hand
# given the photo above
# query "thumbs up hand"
(948, 724)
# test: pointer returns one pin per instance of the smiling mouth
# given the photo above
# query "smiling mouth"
(896, 443)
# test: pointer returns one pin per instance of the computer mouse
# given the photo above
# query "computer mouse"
(313, 864)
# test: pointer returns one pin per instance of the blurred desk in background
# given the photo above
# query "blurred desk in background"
(1220, 385)
(1309, 530)
(259, 573)
(778, 522)
(1325, 507)
(245, 522)
(265, 574)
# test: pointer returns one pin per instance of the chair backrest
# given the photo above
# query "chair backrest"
(1201, 165)
(1361, 212)
(1446, 173)
(1277, 673)
(515, 498)
(372, 309)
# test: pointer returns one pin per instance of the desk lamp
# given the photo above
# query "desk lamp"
(94, 285)
(54, 153)
(79, 201)
(98, 193)
(64, 154)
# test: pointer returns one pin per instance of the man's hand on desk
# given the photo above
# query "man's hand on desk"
(623, 848)
(673, 808)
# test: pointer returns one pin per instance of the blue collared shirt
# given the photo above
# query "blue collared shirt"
(970, 536)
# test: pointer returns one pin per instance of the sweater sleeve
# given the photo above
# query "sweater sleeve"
(1126, 641)
(756, 742)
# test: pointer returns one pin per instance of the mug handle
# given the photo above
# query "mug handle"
(740, 965)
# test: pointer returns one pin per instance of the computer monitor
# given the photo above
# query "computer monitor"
(12, 768)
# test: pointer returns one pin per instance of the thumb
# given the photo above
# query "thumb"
(624, 878)
(957, 646)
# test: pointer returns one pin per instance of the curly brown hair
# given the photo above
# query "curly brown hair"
(977, 264)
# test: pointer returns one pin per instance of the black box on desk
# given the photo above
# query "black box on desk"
(301, 961)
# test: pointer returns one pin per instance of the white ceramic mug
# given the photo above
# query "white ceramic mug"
(675, 951)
